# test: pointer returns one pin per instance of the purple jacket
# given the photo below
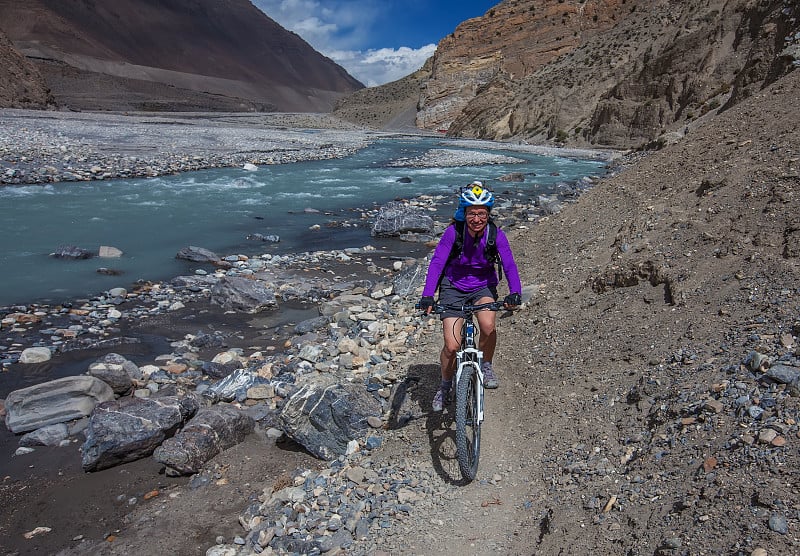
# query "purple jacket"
(470, 271)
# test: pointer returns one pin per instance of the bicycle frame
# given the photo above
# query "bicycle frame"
(470, 355)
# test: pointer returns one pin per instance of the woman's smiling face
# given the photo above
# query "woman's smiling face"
(476, 217)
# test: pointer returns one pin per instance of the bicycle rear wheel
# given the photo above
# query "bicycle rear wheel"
(468, 429)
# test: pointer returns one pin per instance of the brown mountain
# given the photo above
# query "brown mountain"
(178, 54)
(619, 73)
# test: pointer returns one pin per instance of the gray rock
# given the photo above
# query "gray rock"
(34, 355)
(344, 301)
(107, 251)
(213, 430)
(783, 374)
(549, 205)
(310, 325)
(116, 371)
(779, 524)
(261, 237)
(324, 416)
(232, 386)
(71, 252)
(126, 430)
(198, 255)
(234, 293)
(512, 176)
(57, 401)
(51, 435)
(409, 279)
(396, 218)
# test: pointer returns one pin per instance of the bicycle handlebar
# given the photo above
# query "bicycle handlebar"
(438, 308)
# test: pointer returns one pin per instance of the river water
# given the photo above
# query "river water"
(150, 220)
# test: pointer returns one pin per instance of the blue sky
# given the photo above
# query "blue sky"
(376, 41)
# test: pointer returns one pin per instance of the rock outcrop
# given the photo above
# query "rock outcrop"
(615, 73)
(608, 73)
(21, 84)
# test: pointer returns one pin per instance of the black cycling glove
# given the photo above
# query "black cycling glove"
(512, 300)
(426, 303)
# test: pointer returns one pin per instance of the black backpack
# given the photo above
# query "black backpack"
(490, 251)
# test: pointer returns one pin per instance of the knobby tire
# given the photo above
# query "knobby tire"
(468, 430)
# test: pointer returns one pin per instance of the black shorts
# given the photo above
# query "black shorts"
(449, 295)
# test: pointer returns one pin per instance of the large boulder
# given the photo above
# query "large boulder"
(132, 428)
(243, 295)
(396, 218)
(325, 416)
(57, 401)
(213, 430)
(33, 355)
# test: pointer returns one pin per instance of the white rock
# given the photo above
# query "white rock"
(250, 167)
(35, 355)
(109, 252)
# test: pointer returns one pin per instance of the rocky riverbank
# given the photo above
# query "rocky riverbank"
(362, 334)
(49, 146)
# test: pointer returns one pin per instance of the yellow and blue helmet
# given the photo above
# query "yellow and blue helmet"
(474, 194)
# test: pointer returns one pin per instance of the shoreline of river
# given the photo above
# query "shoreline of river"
(45, 147)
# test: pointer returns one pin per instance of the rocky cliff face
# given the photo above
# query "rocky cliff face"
(619, 73)
(151, 54)
(21, 85)
(511, 41)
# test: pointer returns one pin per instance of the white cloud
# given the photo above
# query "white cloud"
(338, 29)
(376, 67)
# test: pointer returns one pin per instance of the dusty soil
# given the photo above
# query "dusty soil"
(625, 420)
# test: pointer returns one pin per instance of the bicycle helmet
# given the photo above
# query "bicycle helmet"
(474, 194)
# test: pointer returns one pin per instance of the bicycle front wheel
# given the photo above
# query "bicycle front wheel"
(468, 428)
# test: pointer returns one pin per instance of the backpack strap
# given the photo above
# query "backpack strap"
(458, 243)
(490, 252)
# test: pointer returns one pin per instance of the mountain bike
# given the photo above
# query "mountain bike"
(469, 388)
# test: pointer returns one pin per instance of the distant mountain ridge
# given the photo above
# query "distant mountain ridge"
(179, 54)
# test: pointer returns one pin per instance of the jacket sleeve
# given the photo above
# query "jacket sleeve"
(439, 261)
(509, 264)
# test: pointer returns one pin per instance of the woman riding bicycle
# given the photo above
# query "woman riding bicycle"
(469, 277)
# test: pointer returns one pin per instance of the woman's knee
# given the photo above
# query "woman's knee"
(450, 348)
(487, 328)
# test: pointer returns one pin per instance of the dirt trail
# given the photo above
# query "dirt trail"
(626, 422)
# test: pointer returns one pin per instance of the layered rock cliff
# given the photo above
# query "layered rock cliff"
(618, 73)
(21, 85)
(187, 54)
